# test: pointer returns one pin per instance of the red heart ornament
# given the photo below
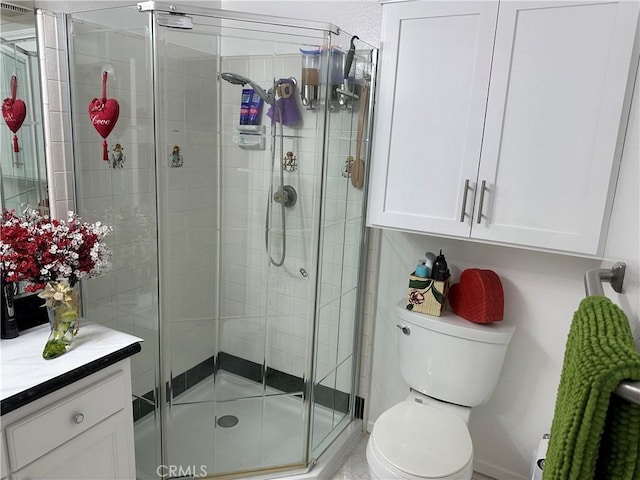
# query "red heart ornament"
(478, 297)
(14, 113)
(104, 115)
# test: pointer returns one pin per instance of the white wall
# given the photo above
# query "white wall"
(541, 293)
(356, 17)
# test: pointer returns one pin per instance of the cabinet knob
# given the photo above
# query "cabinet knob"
(78, 418)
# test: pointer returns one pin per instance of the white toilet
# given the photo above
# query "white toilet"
(451, 365)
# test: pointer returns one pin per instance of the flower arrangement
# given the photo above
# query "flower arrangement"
(52, 256)
(37, 249)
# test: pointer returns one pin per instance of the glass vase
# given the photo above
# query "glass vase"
(63, 328)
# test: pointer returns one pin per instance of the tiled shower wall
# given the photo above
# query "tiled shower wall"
(129, 302)
(251, 287)
(188, 202)
(126, 297)
(54, 78)
(265, 309)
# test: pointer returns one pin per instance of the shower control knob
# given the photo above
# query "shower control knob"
(286, 195)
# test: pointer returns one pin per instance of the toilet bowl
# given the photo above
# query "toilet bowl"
(417, 441)
(450, 365)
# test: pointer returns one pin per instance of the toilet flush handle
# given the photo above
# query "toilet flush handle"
(405, 330)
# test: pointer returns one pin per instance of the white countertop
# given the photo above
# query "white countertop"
(23, 368)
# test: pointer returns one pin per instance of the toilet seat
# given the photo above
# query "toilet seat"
(423, 442)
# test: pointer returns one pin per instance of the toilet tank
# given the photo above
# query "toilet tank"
(450, 358)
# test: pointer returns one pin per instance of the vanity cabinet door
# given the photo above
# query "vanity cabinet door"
(555, 123)
(102, 452)
(435, 65)
(83, 430)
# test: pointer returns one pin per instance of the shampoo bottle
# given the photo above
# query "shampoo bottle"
(245, 105)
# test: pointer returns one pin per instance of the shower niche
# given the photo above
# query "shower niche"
(248, 299)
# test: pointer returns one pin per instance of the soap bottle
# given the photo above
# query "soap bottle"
(421, 270)
(440, 271)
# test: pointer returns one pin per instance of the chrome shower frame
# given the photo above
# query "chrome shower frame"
(173, 8)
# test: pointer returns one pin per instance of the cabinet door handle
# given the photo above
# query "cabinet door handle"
(78, 418)
(482, 190)
(464, 200)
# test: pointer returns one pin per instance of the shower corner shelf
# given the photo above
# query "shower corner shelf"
(250, 137)
(255, 129)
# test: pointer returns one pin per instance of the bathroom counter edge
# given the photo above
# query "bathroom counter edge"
(26, 376)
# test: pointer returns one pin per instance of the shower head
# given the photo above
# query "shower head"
(237, 79)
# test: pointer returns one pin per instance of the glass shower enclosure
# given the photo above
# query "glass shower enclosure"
(234, 181)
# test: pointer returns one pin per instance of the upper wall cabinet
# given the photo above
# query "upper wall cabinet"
(503, 121)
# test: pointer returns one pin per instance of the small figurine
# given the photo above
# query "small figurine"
(175, 157)
(118, 157)
(346, 168)
(290, 162)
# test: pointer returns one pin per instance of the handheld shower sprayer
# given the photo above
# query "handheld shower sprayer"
(236, 79)
(269, 98)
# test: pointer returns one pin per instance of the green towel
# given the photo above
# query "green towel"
(595, 434)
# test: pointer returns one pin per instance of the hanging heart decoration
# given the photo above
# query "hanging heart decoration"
(103, 114)
(14, 112)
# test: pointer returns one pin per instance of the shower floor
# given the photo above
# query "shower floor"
(269, 432)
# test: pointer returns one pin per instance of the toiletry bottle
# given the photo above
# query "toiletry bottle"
(245, 105)
(440, 271)
(9, 323)
(421, 269)
(429, 259)
(255, 109)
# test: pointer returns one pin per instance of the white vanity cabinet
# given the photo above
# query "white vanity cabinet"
(70, 417)
(502, 121)
(81, 431)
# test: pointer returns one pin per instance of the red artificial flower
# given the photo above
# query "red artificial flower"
(37, 249)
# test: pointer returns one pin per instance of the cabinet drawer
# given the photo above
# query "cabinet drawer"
(35, 435)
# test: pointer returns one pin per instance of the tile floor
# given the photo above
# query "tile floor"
(355, 465)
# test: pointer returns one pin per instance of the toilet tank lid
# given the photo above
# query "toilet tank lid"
(451, 324)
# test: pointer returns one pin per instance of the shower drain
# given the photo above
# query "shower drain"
(228, 421)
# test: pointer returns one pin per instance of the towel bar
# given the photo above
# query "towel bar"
(615, 276)
(593, 286)
(629, 391)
